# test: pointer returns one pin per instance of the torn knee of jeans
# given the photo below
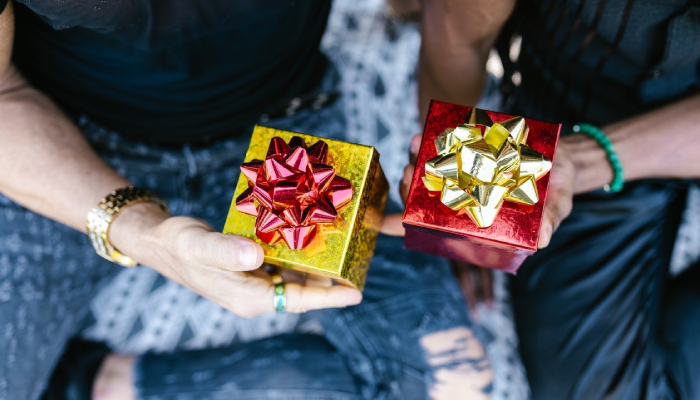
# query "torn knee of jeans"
(458, 363)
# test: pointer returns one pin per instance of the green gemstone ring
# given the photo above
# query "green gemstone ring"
(280, 299)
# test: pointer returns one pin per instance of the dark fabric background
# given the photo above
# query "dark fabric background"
(165, 70)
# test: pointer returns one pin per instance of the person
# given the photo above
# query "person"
(596, 313)
(112, 110)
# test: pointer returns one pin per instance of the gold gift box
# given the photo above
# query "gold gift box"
(341, 250)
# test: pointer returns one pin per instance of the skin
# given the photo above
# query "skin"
(49, 168)
(37, 138)
(452, 68)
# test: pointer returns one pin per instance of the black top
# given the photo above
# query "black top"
(600, 61)
(171, 69)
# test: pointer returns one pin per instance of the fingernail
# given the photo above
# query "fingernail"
(415, 144)
(407, 176)
(353, 298)
(248, 256)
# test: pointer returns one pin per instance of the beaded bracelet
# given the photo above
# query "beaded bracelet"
(596, 134)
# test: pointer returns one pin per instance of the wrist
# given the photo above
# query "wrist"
(133, 232)
(593, 169)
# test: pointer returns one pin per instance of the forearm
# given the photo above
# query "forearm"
(457, 37)
(47, 166)
(664, 143)
(454, 75)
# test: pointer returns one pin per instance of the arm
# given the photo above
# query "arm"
(662, 143)
(456, 41)
(48, 167)
(67, 177)
(457, 38)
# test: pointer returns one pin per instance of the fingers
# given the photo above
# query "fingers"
(392, 225)
(414, 148)
(232, 253)
(305, 279)
(317, 280)
(405, 184)
(556, 210)
(305, 298)
(255, 294)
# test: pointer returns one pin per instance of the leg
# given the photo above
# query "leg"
(587, 306)
(411, 338)
(48, 273)
(412, 328)
(284, 367)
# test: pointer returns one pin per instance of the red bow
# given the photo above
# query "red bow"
(295, 190)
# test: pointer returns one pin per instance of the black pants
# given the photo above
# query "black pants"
(597, 315)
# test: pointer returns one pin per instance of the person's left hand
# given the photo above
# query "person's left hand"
(560, 194)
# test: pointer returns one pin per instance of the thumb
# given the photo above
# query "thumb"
(232, 253)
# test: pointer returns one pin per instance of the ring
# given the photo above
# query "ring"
(279, 301)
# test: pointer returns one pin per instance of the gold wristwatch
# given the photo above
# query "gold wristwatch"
(100, 218)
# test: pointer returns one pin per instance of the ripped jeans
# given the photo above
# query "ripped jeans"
(410, 338)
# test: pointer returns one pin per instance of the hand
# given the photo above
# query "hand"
(563, 184)
(560, 194)
(222, 268)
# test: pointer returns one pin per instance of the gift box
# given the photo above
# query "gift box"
(480, 186)
(315, 205)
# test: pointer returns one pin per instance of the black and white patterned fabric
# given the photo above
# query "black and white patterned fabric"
(376, 58)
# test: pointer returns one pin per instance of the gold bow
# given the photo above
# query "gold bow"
(481, 163)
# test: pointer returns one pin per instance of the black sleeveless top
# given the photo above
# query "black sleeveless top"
(599, 61)
(171, 69)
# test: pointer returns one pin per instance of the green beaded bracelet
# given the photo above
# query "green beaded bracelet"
(596, 134)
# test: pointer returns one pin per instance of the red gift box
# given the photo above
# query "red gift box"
(435, 228)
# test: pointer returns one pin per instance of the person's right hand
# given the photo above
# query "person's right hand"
(222, 268)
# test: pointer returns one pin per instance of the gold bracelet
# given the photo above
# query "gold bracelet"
(100, 218)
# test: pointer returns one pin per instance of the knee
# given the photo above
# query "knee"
(459, 365)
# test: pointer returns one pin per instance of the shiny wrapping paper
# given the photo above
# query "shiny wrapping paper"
(338, 246)
(433, 227)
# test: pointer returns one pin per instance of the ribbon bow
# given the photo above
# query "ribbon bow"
(292, 191)
(481, 163)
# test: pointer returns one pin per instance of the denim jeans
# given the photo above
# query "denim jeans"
(411, 327)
